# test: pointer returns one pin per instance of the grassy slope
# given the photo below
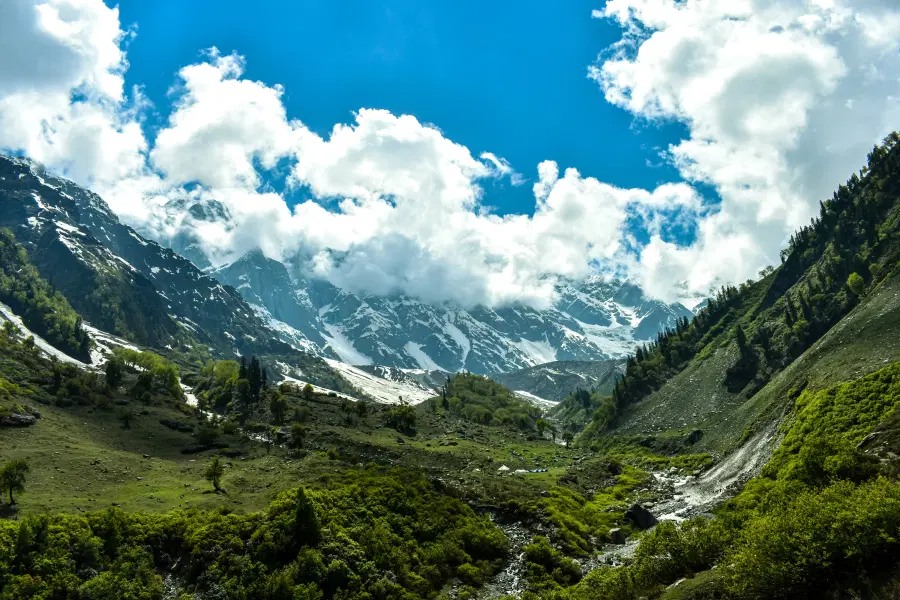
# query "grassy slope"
(865, 340)
(66, 441)
(857, 231)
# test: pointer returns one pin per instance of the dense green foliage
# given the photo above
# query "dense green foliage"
(28, 377)
(820, 444)
(481, 400)
(216, 386)
(372, 535)
(583, 407)
(42, 309)
(547, 568)
(820, 518)
(582, 522)
(851, 247)
(402, 418)
(156, 373)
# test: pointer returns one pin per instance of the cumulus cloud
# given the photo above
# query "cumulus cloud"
(782, 100)
(223, 123)
(62, 96)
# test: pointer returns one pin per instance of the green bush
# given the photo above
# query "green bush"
(481, 400)
(856, 284)
(385, 535)
(156, 372)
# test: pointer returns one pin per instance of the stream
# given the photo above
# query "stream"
(687, 496)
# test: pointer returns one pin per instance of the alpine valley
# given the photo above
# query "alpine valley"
(172, 430)
(258, 305)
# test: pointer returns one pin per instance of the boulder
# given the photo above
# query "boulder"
(867, 440)
(617, 536)
(640, 517)
(17, 419)
(693, 437)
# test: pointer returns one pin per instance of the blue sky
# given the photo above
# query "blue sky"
(762, 107)
(512, 82)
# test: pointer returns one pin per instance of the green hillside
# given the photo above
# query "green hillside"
(762, 435)
(752, 343)
(42, 309)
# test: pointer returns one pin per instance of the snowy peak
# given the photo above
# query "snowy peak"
(118, 280)
(597, 319)
(276, 298)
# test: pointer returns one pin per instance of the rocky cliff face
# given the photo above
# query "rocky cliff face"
(118, 280)
(596, 319)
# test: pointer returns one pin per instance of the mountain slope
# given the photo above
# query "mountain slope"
(266, 285)
(42, 309)
(116, 279)
(827, 314)
(554, 381)
(592, 320)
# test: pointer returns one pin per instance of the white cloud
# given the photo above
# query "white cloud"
(223, 123)
(62, 97)
(406, 213)
(783, 100)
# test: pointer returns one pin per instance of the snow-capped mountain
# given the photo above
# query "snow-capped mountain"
(554, 381)
(142, 290)
(119, 281)
(596, 319)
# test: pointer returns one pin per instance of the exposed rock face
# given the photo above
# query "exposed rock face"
(693, 437)
(617, 536)
(19, 419)
(640, 517)
(592, 320)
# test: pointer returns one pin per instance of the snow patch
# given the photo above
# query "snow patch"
(344, 347)
(68, 228)
(103, 345)
(460, 338)
(537, 353)
(541, 403)
(138, 238)
(286, 371)
(7, 314)
(189, 398)
(290, 335)
(419, 355)
(382, 389)
(616, 341)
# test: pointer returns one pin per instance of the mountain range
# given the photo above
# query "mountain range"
(594, 319)
(174, 299)
(760, 433)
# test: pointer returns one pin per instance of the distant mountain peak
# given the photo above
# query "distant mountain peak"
(597, 318)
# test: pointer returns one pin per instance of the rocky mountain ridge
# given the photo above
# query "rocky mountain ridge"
(596, 319)
(119, 281)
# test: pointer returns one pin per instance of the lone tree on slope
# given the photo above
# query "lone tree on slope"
(214, 472)
(12, 477)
